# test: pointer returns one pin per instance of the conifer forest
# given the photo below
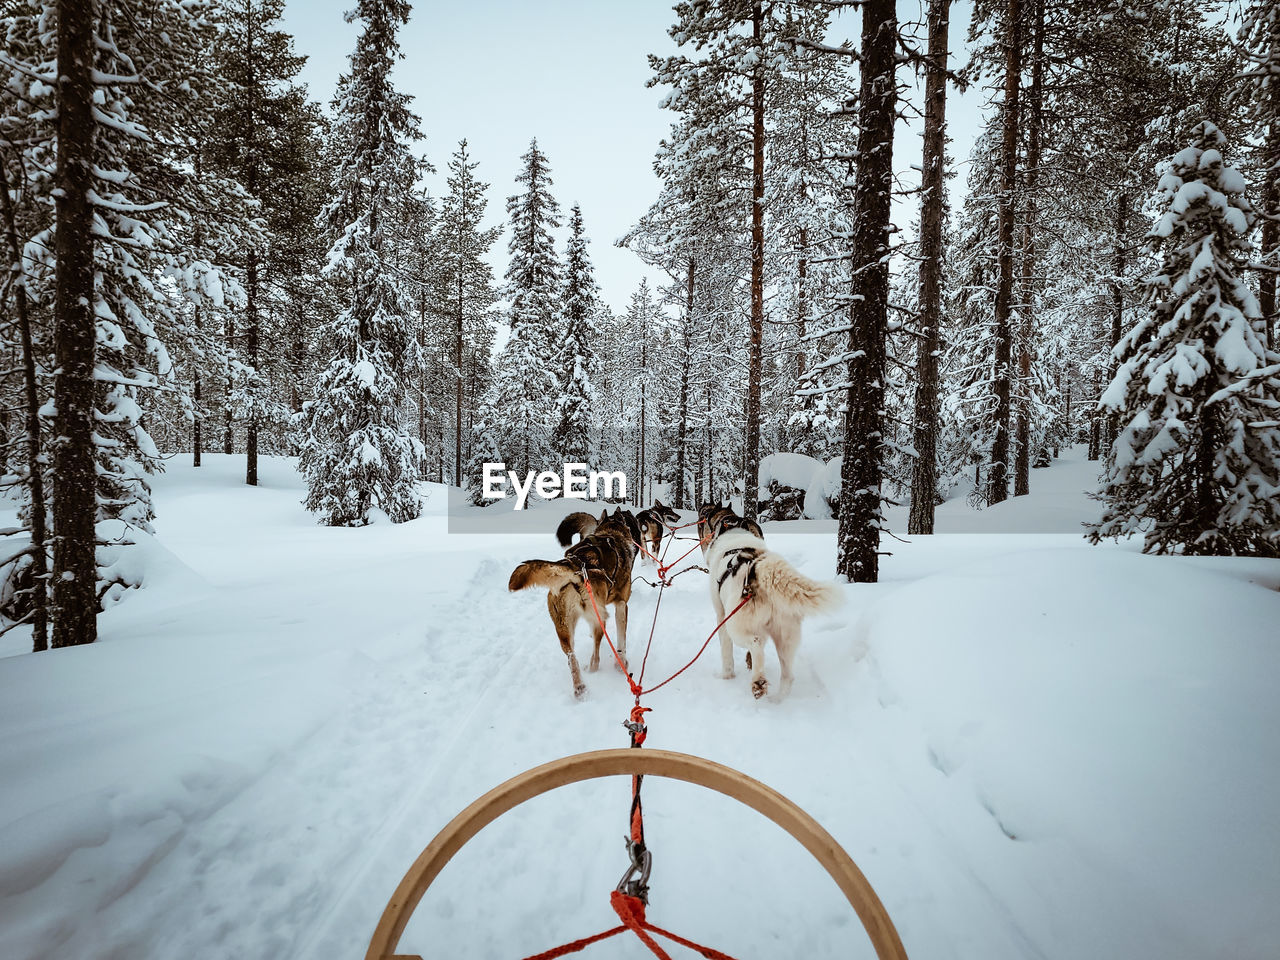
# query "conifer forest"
(408, 410)
(203, 255)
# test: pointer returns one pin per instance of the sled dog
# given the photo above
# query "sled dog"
(582, 524)
(653, 525)
(604, 557)
(741, 566)
(714, 519)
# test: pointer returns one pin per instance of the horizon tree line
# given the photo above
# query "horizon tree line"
(199, 256)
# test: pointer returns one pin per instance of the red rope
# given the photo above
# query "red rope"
(635, 687)
(636, 690)
(576, 945)
(742, 603)
(664, 567)
(631, 909)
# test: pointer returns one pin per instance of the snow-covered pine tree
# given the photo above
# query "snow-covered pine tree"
(466, 289)
(253, 136)
(571, 437)
(814, 135)
(356, 448)
(130, 267)
(1260, 43)
(1196, 465)
(740, 45)
(693, 233)
(419, 263)
(525, 376)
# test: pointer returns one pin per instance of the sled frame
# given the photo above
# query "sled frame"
(619, 762)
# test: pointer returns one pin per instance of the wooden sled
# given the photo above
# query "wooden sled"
(627, 761)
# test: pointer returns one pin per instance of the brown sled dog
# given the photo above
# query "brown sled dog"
(714, 519)
(583, 524)
(606, 555)
(653, 525)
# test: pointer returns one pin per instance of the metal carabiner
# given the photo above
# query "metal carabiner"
(641, 862)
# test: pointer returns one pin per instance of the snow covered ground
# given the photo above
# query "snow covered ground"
(1032, 747)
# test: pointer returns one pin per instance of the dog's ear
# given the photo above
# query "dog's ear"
(604, 515)
(657, 504)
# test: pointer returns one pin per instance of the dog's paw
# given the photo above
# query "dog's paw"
(579, 691)
(727, 674)
(621, 663)
(759, 687)
(594, 665)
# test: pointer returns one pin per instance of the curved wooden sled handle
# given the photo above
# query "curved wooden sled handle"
(655, 763)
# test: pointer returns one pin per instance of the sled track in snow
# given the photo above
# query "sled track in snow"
(512, 658)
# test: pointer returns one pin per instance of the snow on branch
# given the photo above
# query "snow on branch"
(1243, 384)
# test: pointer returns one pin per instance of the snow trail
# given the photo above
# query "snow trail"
(251, 758)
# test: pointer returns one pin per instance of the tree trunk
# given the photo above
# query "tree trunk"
(197, 425)
(197, 435)
(228, 440)
(1022, 467)
(644, 376)
(756, 341)
(31, 398)
(1068, 437)
(1110, 424)
(860, 475)
(924, 479)
(1269, 254)
(251, 342)
(457, 392)
(710, 451)
(1095, 425)
(75, 606)
(685, 362)
(998, 476)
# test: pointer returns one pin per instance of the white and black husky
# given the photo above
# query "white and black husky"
(740, 565)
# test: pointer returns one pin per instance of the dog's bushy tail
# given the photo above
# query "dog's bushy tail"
(583, 524)
(789, 588)
(542, 573)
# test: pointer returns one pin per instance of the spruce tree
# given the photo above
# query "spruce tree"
(252, 137)
(1196, 465)
(1260, 43)
(120, 113)
(356, 449)
(526, 375)
(571, 438)
(466, 292)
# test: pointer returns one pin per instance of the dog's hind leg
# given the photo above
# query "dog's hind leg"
(755, 645)
(565, 620)
(597, 632)
(620, 618)
(726, 642)
(786, 639)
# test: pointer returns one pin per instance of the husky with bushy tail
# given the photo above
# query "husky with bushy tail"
(778, 598)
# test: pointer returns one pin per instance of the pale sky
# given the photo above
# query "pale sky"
(571, 73)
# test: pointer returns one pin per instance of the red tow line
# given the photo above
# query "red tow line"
(632, 893)
(630, 911)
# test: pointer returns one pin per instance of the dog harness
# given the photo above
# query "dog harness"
(738, 557)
